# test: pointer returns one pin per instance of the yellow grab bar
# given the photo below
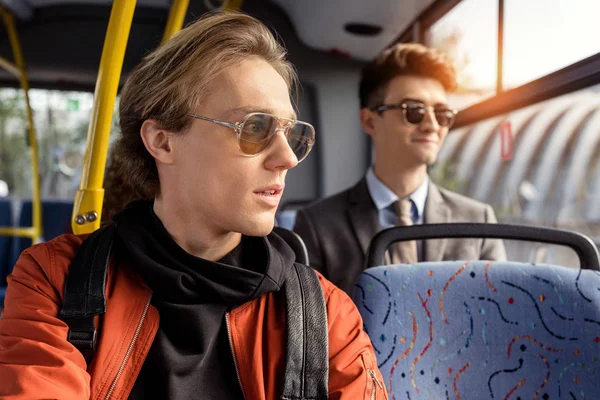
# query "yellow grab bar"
(233, 5)
(10, 67)
(176, 18)
(34, 232)
(19, 232)
(87, 207)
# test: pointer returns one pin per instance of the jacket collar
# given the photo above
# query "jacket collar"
(436, 212)
(362, 214)
(383, 197)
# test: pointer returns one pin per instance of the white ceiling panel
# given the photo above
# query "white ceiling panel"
(321, 23)
(44, 3)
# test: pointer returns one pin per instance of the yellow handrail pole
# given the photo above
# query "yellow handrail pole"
(9, 22)
(176, 18)
(87, 207)
(233, 5)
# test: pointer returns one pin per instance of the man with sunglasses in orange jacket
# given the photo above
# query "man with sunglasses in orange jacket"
(405, 112)
(192, 298)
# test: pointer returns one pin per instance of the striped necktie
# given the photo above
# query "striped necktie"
(404, 252)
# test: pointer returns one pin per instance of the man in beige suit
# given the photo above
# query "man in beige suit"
(404, 110)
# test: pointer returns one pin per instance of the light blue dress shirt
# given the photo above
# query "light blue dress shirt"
(384, 198)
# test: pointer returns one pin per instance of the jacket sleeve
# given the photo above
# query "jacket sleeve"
(36, 360)
(305, 228)
(492, 249)
(353, 372)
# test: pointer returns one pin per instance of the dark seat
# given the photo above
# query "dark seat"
(5, 241)
(56, 220)
(5, 245)
(295, 242)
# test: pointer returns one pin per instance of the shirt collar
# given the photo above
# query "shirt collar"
(419, 196)
(383, 196)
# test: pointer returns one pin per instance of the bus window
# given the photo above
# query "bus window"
(552, 48)
(61, 119)
(472, 47)
(552, 178)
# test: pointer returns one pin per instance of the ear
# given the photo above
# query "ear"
(367, 120)
(157, 141)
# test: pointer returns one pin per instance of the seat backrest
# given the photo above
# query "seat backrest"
(56, 220)
(5, 241)
(295, 242)
(484, 330)
(2, 295)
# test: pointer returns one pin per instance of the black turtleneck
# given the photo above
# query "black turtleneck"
(191, 355)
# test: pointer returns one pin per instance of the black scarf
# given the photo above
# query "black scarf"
(191, 355)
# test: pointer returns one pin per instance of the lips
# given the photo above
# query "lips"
(270, 196)
(425, 140)
(272, 190)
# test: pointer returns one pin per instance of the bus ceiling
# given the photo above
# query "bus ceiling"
(355, 28)
(62, 39)
(20, 9)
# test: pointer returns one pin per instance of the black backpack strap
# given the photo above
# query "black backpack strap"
(307, 354)
(84, 295)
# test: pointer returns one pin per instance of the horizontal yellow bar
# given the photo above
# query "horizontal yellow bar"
(10, 67)
(19, 232)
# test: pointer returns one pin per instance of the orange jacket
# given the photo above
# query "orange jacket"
(36, 360)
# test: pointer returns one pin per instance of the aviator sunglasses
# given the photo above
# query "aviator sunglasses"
(257, 130)
(414, 112)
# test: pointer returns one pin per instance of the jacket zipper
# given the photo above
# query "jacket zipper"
(374, 381)
(128, 353)
(237, 372)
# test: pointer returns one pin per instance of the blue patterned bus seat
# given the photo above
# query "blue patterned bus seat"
(484, 330)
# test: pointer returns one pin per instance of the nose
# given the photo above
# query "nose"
(280, 154)
(429, 123)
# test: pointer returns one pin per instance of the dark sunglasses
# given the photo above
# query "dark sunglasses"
(257, 130)
(415, 112)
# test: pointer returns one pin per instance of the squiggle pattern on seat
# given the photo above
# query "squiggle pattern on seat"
(463, 348)
(561, 316)
(534, 341)
(494, 302)
(506, 371)
(408, 350)
(387, 314)
(537, 393)
(518, 385)
(487, 279)
(502, 330)
(552, 285)
(453, 277)
(579, 290)
(537, 308)
(414, 364)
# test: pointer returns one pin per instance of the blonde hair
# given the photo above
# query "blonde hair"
(404, 59)
(117, 191)
(175, 78)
